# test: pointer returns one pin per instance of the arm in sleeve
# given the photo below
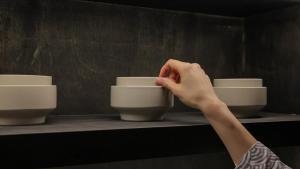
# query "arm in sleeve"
(261, 157)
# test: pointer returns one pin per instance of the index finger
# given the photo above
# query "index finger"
(171, 65)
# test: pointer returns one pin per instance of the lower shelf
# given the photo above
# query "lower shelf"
(73, 140)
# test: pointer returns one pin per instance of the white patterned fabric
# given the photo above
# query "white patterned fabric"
(261, 157)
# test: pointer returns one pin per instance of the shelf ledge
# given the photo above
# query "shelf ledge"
(74, 140)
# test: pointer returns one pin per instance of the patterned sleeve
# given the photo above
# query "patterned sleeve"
(261, 157)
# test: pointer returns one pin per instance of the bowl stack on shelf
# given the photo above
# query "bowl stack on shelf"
(244, 97)
(140, 99)
(26, 99)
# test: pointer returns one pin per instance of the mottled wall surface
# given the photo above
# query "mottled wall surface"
(273, 53)
(85, 45)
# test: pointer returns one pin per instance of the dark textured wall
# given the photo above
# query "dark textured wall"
(85, 45)
(273, 53)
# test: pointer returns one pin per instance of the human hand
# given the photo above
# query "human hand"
(192, 86)
(189, 83)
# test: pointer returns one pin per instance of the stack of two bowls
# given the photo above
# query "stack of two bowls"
(244, 97)
(26, 99)
(140, 99)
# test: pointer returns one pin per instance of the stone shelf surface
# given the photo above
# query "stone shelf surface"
(69, 123)
(72, 140)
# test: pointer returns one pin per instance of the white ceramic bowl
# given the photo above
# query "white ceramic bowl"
(141, 103)
(21, 105)
(238, 82)
(25, 80)
(243, 101)
(136, 81)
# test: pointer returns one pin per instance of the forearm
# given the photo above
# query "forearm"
(234, 135)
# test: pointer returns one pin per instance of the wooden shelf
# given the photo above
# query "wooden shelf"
(72, 140)
(236, 8)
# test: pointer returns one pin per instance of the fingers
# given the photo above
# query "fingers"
(172, 66)
(165, 71)
(169, 84)
(174, 76)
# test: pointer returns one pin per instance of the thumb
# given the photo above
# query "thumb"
(168, 83)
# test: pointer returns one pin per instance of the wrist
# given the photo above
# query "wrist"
(213, 106)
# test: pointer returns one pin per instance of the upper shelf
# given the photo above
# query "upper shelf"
(238, 8)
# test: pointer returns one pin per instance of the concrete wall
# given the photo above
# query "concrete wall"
(85, 45)
(273, 53)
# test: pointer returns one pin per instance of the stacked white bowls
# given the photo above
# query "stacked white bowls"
(244, 97)
(26, 99)
(140, 99)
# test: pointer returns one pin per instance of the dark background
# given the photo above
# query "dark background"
(220, 160)
(273, 53)
(84, 45)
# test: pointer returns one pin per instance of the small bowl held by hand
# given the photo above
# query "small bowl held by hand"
(141, 103)
(140, 99)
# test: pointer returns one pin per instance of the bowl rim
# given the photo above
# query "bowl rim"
(262, 87)
(24, 75)
(136, 77)
(134, 86)
(241, 79)
(6, 86)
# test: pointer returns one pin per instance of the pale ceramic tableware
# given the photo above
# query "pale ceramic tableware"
(136, 81)
(7, 79)
(27, 104)
(238, 82)
(243, 101)
(141, 103)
